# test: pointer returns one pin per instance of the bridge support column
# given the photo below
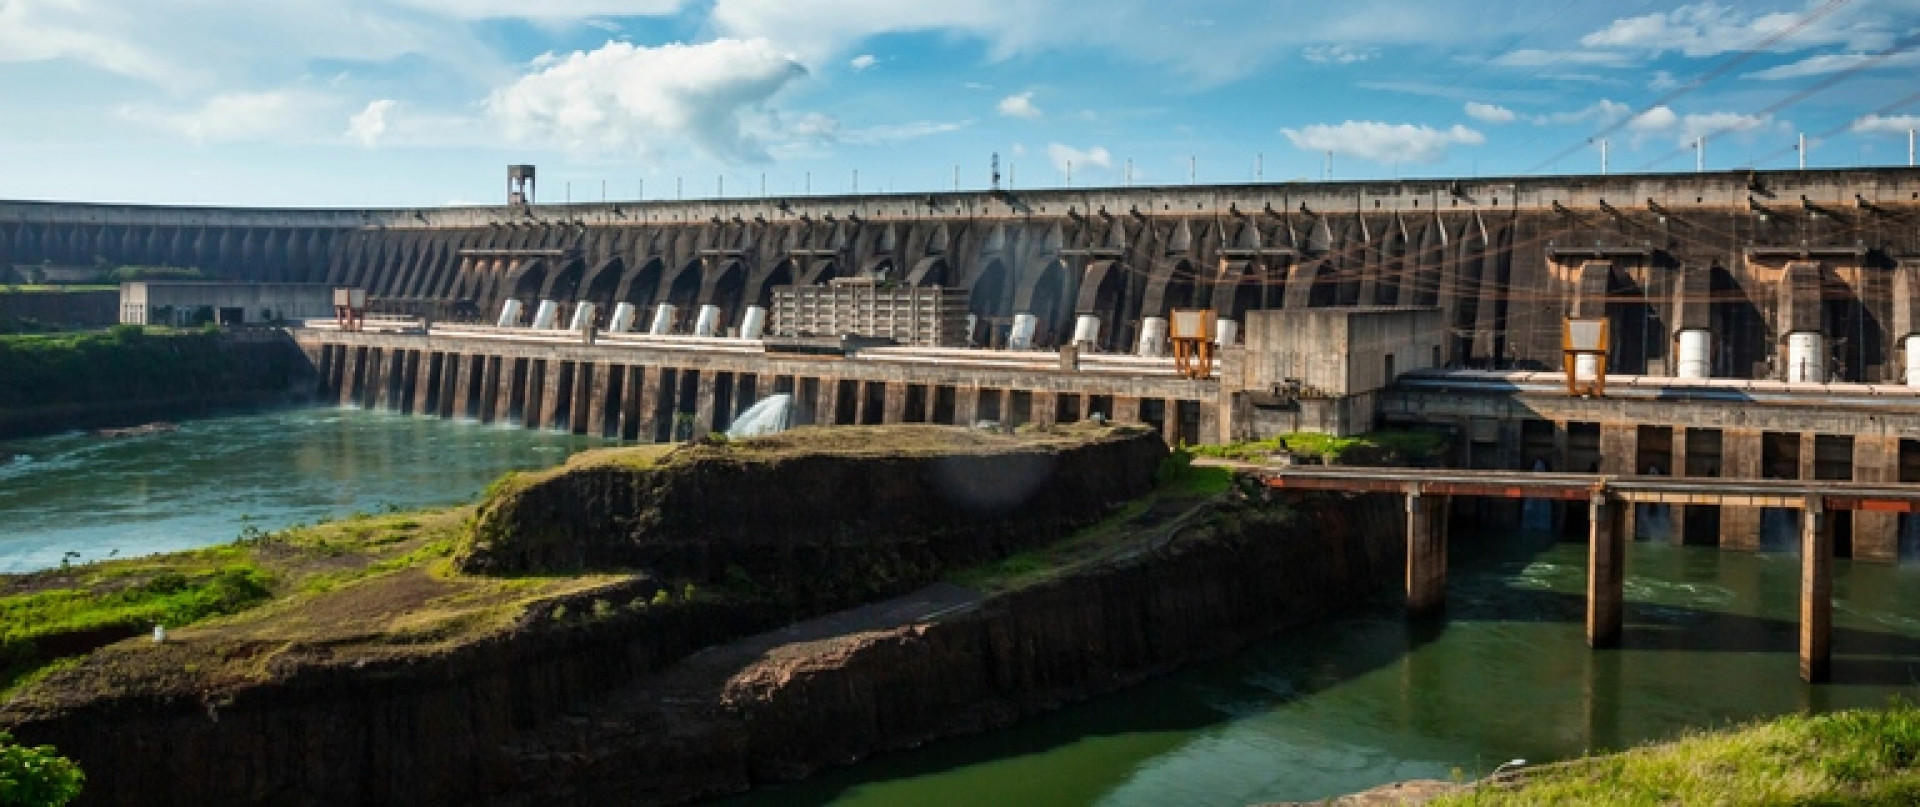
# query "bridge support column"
(1740, 459)
(894, 407)
(1426, 552)
(1816, 594)
(703, 403)
(1046, 408)
(1126, 409)
(1876, 534)
(1606, 570)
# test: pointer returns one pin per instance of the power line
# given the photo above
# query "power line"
(1903, 45)
(1725, 66)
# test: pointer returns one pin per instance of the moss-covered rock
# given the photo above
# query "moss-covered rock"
(817, 516)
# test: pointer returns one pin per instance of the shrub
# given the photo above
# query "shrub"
(36, 775)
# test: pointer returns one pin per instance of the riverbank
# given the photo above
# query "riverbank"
(1858, 756)
(374, 636)
(128, 375)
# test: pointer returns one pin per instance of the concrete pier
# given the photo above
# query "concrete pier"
(1426, 552)
(1607, 538)
(1816, 594)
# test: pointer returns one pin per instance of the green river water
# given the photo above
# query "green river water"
(1359, 700)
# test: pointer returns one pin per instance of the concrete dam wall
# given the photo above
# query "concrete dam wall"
(1747, 270)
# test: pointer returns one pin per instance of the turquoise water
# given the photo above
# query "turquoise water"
(1356, 701)
(1369, 698)
(211, 479)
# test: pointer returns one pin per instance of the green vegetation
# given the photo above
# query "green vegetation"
(1866, 757)
(1386, 446)
(126, 362)
(36, 776)
(38, 624)
(1181, 487)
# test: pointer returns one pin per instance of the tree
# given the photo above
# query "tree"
(36, 775)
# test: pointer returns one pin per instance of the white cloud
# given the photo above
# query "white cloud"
(1895, 124)
(1709, 29)
(1490, 113)
(1337, 54)
(1018, 106)
(1383, 142)
(1236, 37)
(1603, 112)
(234, 117)
(625, 98)
(897, 132)
(544, 9)
(1686, 128)
(1062, 155)
(369, 124)
(862, 62)
(1834, 63)
(1550, 58)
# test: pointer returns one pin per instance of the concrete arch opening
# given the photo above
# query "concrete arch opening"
(990, 300)
(1050, 304)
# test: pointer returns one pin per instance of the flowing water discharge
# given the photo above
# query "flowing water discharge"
(1368, 698)
(210, 480)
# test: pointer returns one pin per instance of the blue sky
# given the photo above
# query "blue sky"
(424, 102)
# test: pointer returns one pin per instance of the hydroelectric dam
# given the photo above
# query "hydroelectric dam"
(1763, 324)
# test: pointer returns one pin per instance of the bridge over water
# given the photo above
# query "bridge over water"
(1429, 493)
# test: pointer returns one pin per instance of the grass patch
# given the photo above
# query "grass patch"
(1180, 485)
(1854, 757)
(1388, 445)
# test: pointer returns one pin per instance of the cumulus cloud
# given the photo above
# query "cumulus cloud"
(1383, 142)
(1689, 127)
(1337, 54)
(626, 98)
(862, 62)
(1062, 155)
(233, 117)
(1018, 106)
(1894, 124)
(1490, 113)
(369, 124)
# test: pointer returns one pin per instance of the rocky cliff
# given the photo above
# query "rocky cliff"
(414, 685)
(778, 708)
(816, 517)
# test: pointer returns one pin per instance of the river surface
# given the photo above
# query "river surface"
(1355, 701)
(210, 480)
(1369, 698)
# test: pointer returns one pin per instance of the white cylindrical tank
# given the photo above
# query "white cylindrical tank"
(622, 320)
(1913, 361)
(509, 314)
(1086, 330)
(1226, 332)
(544, 315)
(754, 325)
(662, 319)
(1806, 357)
(1021, 337)
(1153, 336)
(582, 316)
(1696, 353)
(708, 321)
(1586, 367)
